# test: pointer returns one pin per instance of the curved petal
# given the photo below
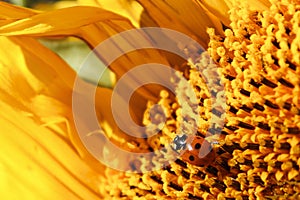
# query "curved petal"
(38, 84)
(94, 25)
(46, 92)
(257, 5)
(10, 13)
(37, 164)
(44, 6)
(182, 15)
(51, 23)
(218, 8)
(130, 9)
(37, 157)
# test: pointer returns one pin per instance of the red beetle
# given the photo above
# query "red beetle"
(197, 150)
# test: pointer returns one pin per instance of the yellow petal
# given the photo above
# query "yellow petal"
(218, 8)
(35, 68)
(10, 13)
(58, 22)
(185, 16)
(103, 107)
(39, 85)
(103, 100)
(46, 94)
(37, 164)
(96, 26)
(257, 5)
(56, 5)
(130, 9)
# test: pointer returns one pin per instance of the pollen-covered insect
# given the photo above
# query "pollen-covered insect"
(197, 150)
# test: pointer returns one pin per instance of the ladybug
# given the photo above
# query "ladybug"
(196, 150)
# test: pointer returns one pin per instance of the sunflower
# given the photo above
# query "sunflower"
(255, 47)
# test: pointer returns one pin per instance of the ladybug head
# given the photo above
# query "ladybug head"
(179, 142)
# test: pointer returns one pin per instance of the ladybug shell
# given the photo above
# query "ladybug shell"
(199, 151)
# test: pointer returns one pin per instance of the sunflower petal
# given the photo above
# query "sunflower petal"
(257, 5)
(218, 8)
(37, 164)
(182, 15)
(35, 69)
(50, 23)
(96, 26)
(109, 125)
(127, 8)
(10, 13)
(53, 6)
(46, 93)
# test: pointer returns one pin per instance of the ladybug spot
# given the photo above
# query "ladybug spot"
(191, 158)
(197, 146)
